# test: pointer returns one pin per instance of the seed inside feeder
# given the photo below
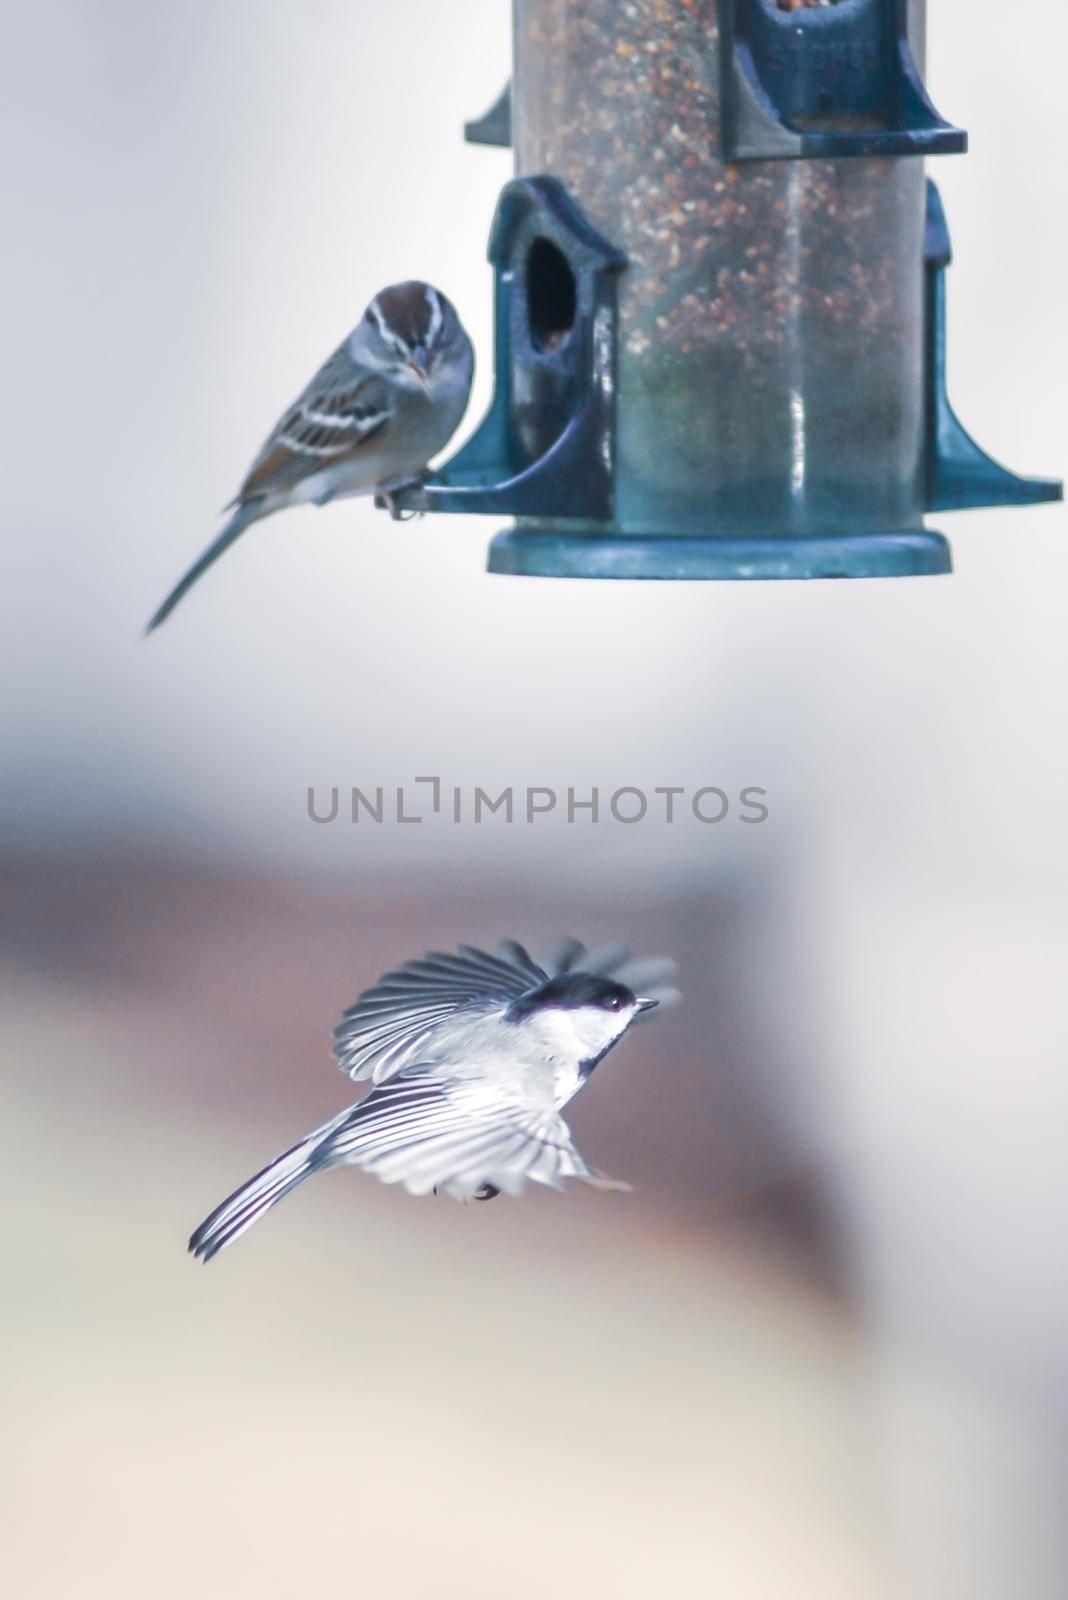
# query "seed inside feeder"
(784, 294)
(804, 5)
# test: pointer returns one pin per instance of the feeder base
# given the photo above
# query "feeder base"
(533, 552)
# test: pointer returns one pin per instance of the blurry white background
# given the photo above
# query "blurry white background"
(200, 202)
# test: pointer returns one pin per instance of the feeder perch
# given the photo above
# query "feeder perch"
(545, 448)
(720, 301)
(959, 473)
(495, 127)
(839, 81)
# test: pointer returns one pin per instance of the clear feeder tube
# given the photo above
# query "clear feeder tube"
(769, 362)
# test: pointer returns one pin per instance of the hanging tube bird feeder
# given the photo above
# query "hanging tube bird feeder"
(720, 299)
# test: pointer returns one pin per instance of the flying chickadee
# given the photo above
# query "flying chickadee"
(387, 400)
(472, 1057)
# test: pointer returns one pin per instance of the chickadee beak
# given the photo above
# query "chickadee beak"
(646, 1005)
(417, 366)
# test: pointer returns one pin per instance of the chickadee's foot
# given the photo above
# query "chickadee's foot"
(487, 1192)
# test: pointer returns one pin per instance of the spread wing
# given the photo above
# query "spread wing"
(340, 411)
(390, 1024)
(426, 1131)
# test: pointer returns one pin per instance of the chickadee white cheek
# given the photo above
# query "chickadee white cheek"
(587, 1032)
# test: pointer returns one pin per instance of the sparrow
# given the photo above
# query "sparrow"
(472, 1057)
(387, 400)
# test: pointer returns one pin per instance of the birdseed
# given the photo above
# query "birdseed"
(770, 333)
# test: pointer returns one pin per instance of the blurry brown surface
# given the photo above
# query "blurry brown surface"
(245, 978)
(577, 1390)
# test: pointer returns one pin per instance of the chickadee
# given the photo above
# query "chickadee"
(472, 1057)
(387, 400)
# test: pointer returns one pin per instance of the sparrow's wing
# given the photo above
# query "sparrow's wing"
(428, 1131)
(337, 415)
(391, 1024)
(650, 976)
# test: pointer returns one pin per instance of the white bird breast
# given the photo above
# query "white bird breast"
(571, 1037)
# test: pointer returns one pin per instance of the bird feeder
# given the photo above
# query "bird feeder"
(720, 300)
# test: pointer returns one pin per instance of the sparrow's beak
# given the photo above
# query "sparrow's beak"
(646, 1005)
(417, 366)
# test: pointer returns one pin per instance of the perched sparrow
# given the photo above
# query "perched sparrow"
(472, 1057)
(388, 399)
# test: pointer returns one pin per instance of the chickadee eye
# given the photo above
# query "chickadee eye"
(615, 1004)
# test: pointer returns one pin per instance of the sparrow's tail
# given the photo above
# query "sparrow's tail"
(247, 1204)
(234, 528)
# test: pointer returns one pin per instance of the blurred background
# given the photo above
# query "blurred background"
(821, 1350)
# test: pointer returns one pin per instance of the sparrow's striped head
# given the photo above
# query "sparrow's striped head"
(410, 325)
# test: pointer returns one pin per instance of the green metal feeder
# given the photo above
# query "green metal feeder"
(720, 307)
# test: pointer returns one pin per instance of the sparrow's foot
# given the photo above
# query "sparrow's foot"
(387, 497)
